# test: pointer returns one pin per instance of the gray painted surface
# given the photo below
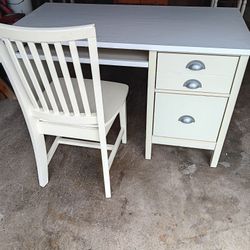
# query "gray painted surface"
(166, 28)
(175, 201)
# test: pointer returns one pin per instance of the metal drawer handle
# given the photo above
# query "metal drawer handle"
(195, 65)
(192, 84)
(187, 119)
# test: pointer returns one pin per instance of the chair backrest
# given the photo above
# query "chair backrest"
(31, 52)
(240, 4)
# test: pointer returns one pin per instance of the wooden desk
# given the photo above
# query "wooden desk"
(196, 58)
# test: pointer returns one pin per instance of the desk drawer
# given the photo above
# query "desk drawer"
(188, 117)
(207, 73)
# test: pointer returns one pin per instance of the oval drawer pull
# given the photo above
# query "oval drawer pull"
(187, 119)
(192, 84)
(195, 65)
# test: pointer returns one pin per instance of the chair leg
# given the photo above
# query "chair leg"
(105, 166)
(123, 122)
(39, 147)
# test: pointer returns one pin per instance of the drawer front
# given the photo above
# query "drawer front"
(207, 73)
(188, 117)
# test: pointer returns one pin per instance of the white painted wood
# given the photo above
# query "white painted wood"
(150, 103)
(65, 119)
(20, 72)
(241, 5)
(44, 78)
(167, 84)
(197, 26)
(67, 78)
(100, 114)
(169, 91)
(215, 3)
(229, 110)
(110, 91)
(210, 84)
(51, 35)
(115, 148)
(105, 99)
(128, 27)
(207, 113)
(217, 77)
(32, 75)
(10, 63)
(53, 148)
(123, 122)
(55, 78)
(105, 164)
(62, 130)
(79, 76)
(183, 142)
(79, 143)
(115, 57)
(39, 147)
(214, 64)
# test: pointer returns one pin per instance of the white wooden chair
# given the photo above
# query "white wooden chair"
(241, 5)
(76, 108)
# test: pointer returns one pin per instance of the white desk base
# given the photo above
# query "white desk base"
(215, 146)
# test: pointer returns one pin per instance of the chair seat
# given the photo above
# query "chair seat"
(114, 96)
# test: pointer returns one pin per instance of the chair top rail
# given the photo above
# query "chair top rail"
(58, 34)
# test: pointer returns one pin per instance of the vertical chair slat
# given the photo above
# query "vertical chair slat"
(67, 78)
(49, 60)
(79, 77)
(32, 75)
(43, 75)
(20, 73)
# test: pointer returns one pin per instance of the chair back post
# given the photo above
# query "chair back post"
(16, 82)
(95, 70)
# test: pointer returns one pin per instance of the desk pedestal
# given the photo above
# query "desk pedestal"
(191, 98)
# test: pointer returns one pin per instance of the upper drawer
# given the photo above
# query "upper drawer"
(214, 73)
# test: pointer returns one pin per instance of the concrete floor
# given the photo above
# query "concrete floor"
(174, 201)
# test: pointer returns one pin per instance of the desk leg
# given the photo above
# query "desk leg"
(229, 110)
(150, 103)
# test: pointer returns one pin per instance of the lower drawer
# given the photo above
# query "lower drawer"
(188, 117)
